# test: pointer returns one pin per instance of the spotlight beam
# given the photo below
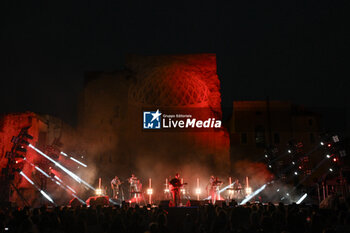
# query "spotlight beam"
(46, 196)
(223, 189)
(27, 178)
(71, 174)
(256, 192)
(302, 199)
(78, 162)
(75, 160)
(58, 182)
(41, 191)
(220, 191)
(57, 178)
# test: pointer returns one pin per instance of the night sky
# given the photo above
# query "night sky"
(287, 50)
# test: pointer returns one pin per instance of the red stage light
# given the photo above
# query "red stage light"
(329, 145)
(335, 159)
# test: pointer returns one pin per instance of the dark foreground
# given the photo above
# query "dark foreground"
(248, 218)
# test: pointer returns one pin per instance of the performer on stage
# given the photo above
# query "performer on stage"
(237, 189)
(213, 188)
(209, 188)
(115, 184)
(175, 185)
(134, 183)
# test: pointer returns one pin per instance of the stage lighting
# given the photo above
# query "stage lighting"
(296, 173)
(149, 191)
(322, 143)
(256, 192)
(302, 199)
(98, 192)
(270, 166)
(183, 191)
(71, 174)
(26, 177)
(47, 196)
(166, 190)
(42, 172)
(21, 148)
(266, 156)
(57, 178)
(293, 163)
(62, 153)
(289, 151)
(335, 138)
(198, 191)
(328, 156)
(248, 191)
(17, 156)
(71, 189)
(223, 189)
(330, 169)
(27, 136)
(335, 160)
(14, 139)
(278, 190)
(77, 161)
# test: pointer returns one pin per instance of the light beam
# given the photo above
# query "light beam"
(77, 161)
(58, 181)
(256, 192)
(41, 191)
(71, 174)
(220, 191)
(302, 199)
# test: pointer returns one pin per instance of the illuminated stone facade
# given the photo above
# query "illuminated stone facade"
(46, 131)
(110, 116)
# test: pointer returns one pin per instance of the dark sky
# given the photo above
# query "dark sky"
(288, 50)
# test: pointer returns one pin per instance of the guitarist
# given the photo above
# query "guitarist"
(175, 185)
(115, 184)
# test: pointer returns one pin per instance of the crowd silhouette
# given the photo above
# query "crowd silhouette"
(231, 218)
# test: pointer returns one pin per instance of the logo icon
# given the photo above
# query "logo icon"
(151, 120)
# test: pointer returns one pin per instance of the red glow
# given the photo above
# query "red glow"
(19, 160)
(335, 159)
(329, 145)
